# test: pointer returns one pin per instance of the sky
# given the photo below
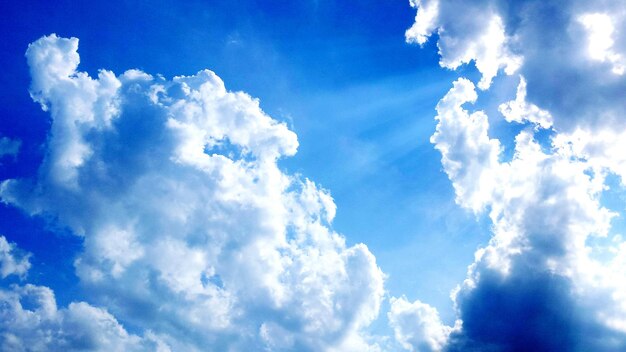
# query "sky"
(319, 175)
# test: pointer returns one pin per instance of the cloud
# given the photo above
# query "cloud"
(520, 111)
(466, 32)
(12, 260)
(31, 321)
(425, 21)
(570, 54)
(600, 32)
(417, 325)
(538, 266)
(469, 155)
(192, 232)
(550, 278)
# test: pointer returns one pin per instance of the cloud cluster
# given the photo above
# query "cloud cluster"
(417, 325)
(31, 321)
(192, 233)
(570, 53)
(12, 260)
(551, 277)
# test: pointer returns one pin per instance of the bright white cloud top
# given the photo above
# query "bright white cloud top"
(545, 281)
(192, 233)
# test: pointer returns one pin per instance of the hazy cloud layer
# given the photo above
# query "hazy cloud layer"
(192, 233)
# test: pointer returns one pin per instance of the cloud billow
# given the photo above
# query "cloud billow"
(192, 233)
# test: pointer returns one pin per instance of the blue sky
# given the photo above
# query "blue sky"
(115, 207)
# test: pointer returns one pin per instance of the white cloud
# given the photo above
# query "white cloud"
(544, 207)
(552, 261)
(602, 148)
(86, 104)
(417, 326)
(425, 21)
(466, 33)
(469, 155)
(600, 30)
(570, 53)
(12, 260)
(31, 321)
(519, 110)
(191, 230)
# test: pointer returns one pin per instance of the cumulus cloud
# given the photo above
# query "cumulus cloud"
(571, 54)
(417, 325)
(12, 260)
(425, 21)
(550, 278)
(544, 208)
(520, 111)
(192, 232)
(539, 265)
(600, 31)
(31, 321)
(466, 33)
(469, 155)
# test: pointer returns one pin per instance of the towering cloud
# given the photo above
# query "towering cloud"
(551, 277)
(192, 233)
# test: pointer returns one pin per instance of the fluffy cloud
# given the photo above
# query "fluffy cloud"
(520, 111)
(417, 325)
(12, 260)
(570, 53)
(191, 230)
(600, 31)
(31, 321)
(467, 32)
(551, 277)
(539, 266)
(425, 21)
